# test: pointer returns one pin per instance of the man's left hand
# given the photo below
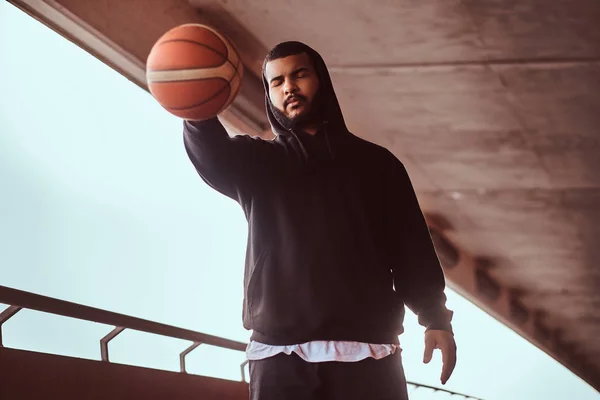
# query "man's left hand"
(443, 340)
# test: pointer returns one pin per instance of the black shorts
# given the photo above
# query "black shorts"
(289, 377)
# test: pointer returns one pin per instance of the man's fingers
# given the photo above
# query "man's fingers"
(429, 346)
(445, 342)
(448, 362)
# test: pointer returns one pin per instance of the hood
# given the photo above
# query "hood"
(332, 114)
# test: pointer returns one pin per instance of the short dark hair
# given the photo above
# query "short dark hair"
(286, 49)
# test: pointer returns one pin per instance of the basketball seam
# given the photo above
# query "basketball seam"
(228, 84)
(225, 56)
(210, 98)
(237, 73)
(190, 79)
(184, 69)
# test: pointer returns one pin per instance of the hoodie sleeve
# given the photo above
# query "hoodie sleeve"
(418, 276)
(234, 166)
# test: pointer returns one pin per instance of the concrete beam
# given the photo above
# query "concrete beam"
(472, 278)
(121, 34)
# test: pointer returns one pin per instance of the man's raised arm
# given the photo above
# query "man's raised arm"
(232, 165)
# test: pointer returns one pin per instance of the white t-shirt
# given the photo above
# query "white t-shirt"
(323, 350)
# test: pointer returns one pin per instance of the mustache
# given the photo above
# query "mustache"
(294, 97)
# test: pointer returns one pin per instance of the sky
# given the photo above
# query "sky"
(99, 205)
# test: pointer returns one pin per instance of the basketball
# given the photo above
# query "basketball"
(194, 72)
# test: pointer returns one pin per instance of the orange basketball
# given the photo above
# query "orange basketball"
(193, 72)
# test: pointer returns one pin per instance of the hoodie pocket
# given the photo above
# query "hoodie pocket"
(255, 277)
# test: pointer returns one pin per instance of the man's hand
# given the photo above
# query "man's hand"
(443, 340)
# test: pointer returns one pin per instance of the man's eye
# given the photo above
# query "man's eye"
(275, 83)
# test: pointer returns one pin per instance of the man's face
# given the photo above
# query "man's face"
(293, 84)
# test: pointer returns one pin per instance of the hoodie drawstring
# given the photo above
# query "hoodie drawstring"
(331, 153)
(304, 152)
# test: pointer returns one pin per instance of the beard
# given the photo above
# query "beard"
(308, 117)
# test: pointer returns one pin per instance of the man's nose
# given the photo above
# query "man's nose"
(290, 87)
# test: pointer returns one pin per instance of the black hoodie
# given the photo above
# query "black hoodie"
(337, 243)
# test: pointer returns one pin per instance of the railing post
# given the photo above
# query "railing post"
(185, 353)
(5, 316)
(243, 370)
(104, 342)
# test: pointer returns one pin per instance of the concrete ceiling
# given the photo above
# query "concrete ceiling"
(493, 106)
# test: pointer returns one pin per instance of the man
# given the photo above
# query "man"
(337, 244)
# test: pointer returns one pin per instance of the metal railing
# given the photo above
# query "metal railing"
(18, 300)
